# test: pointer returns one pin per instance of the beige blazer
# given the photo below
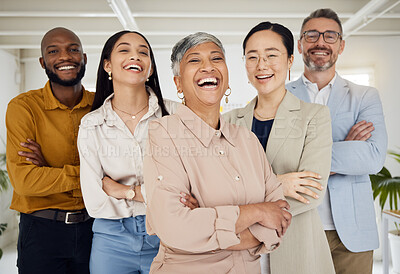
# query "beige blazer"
(300, 140)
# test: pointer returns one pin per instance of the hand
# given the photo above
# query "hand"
(118, 191)
(189, 201)
(274, 215)
(294, 183)
(114, 189)
(36, 156)
(360, 131)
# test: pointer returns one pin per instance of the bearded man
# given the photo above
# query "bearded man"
(55, 231)
(359, 143)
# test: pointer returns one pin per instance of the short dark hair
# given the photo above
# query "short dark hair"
(282, 31)
(323, 13)
(104, 87)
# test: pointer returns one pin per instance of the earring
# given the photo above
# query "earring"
(147, 80)
(289, 74)
(181, 98)
(226, 98)
(109, 76)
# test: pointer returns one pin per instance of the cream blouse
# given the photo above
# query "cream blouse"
(107, 147)
(223, 169)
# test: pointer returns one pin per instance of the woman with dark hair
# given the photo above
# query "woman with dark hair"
(297, 139)
(111, 148)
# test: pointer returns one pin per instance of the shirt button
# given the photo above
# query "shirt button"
(218, 133)
(221, 152)
(237, 178)
(159, 178)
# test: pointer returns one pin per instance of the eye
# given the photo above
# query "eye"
(217, 58)
(144, 53)
(252, 58)
(272, 56)
(75, 50)
(52, 51)
(194, 60)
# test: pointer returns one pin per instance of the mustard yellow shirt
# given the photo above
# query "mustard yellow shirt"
(38, 115)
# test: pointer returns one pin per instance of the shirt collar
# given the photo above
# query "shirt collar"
(201, 130)
(110, 115)
(51, 102)
(308, 83)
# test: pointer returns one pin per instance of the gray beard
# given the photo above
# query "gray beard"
(313, 67)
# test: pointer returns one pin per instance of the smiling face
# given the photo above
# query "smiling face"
(203, 77)
(320, 56)
(130, 62)
(62, 57)
(267, 62)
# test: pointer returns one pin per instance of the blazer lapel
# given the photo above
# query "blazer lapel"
(245, 115)
(285, 121)
(338, 93)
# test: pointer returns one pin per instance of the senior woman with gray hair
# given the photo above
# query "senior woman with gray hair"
(241, 209)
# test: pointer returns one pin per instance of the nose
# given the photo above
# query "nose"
(135, 57)
(207, 66)
(320, 40)
(65, 55)
(262, 63)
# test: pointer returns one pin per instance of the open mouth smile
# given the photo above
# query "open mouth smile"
(133, 67)
(208, 83)
(264, 76)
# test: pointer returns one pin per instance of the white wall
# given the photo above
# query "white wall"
(10, 74)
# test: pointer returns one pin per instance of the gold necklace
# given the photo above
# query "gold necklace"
(264, 118)
(133, 116)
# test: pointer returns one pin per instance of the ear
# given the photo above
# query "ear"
(151, 72)
(41, 61)
(299, 48)
(85, 58)
(342, 44)
(177, 81)
(107, 65)
(290, 61)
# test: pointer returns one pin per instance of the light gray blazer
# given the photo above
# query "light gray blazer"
(350, 189)
(300, 140)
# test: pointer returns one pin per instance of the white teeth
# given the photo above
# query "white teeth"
(320, 53)
(207, 80)
(133, 67)
(66, 67)
(264, 76)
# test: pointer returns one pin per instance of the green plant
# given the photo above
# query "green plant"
(387, 187)
(4, 185)
(2, 228)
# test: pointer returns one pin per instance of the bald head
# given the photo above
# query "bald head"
(58, 33)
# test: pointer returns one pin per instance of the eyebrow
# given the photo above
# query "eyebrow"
(55, 46)
(196, 53)
(267, 49)
(127, 44)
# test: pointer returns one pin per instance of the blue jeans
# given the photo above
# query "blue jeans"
(122, 246)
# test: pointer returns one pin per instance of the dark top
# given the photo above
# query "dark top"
(262, 130)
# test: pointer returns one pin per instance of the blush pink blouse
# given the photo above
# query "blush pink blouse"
(223, 169)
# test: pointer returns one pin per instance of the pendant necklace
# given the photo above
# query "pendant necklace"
(133, 116)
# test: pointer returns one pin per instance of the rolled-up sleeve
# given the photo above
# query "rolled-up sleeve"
(198, 230)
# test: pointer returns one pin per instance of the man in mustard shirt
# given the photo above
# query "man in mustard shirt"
(43, 164)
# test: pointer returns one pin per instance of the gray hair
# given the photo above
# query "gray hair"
(323, 13)
(188, 42)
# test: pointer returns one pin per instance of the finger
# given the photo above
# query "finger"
(283, 204)
(353, 130)
(33, 143)
(29, 146)
(187, 203)
(311, 183)
(366, 137)
(308, 192)
(300, 198)
(191, 200)
(309, 174)
(287, 216)
(364, 132)
(284, 227)
(28, 154)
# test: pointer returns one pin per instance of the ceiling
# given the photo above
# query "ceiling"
(24, 22)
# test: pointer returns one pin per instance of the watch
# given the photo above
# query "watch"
(130, 194)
